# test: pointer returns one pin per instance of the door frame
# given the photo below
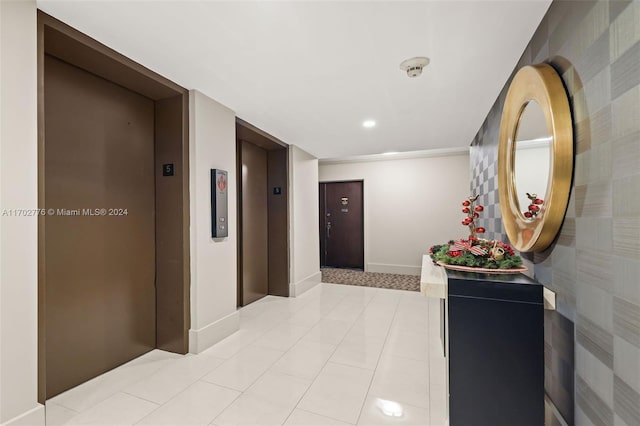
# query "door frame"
(171, 144)
(364, 227)
(246, 132)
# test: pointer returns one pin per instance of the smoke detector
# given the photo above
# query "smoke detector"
(414, 66)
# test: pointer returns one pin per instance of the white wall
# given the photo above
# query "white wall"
(532, 173)
(212, 145)
(409, 205)
(18, 235)
(303, 220)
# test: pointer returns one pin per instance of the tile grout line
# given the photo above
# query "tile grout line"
(240, 392)
(139, 397)
(316, 414)
(254, 340)
(267, 370)
(325, 364)
(395, 312)
(322, 368)
(141, 357)
(297, 341)
(183, 391)
(200, 379)
(340, 297)
(155, 371)
(76, 413)
(243, 392)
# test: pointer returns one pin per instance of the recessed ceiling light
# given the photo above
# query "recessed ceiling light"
(369, 124)
(390, 153)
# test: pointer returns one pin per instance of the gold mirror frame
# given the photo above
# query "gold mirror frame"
(542, 84)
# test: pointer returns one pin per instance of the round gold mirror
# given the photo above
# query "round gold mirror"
(535, 158)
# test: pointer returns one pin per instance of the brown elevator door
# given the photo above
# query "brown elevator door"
(99, 265)
(255, 222)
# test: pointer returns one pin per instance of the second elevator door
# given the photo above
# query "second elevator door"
(255, 222)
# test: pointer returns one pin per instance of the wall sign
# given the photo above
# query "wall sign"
(167, 169)
(219, 203)
(345, 203)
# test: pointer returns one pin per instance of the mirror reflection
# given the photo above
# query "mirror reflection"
(532, 160)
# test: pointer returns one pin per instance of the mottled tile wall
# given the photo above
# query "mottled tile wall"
(594, 266)
(559, 363)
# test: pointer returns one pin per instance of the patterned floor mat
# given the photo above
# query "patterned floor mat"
(371, 279)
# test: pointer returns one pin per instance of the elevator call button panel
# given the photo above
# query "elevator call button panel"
(219, 204)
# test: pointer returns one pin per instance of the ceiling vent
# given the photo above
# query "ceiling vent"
(414, 66)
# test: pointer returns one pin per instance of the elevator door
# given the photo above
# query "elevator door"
(99, 264)
(255, 222)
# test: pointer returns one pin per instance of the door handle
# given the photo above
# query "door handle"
(328, 229)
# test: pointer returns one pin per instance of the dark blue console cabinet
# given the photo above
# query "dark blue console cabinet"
(496, 350)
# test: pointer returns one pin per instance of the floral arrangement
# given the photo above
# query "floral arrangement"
(475, 252)
(534, 206)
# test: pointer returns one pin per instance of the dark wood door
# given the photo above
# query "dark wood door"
(342, 225)
(254, 280)
(99, 264)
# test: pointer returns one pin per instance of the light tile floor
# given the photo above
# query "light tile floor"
(337, 355)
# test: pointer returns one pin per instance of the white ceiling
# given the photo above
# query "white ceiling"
(310, 72)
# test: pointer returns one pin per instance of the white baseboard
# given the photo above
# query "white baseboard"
(394, 269)
(306, 284)
(33, 417)
(207, 336)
